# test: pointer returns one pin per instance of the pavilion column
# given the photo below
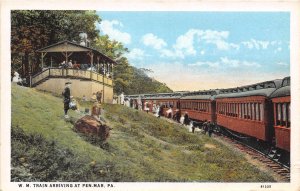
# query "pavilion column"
(66, 55)
(91, 55)
(43, 55)
(103, 82)
(108, 69)
(112, 70)
(98, 58)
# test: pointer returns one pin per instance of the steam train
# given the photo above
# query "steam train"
(257, 114)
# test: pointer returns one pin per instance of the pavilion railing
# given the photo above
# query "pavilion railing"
(69, 73)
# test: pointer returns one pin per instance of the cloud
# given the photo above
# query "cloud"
(109, 28)
(210, 64)
(279, 49)
(187, 43)
(257, 44)
(153, 41)
(135, 54)
(282, 64)
(227, 63)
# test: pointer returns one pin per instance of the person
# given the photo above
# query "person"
(122, 98)
(93, 98)
(186, 119)
(169, 112)
(99, 96)
(146, 108)
(210, 129)
(205, 126)
(84, 98)
(157, 114)
(63, 65)
(176, 116)
(67, 98)
(139, 103)
(161, 111)
(76, 66)
(70, 65)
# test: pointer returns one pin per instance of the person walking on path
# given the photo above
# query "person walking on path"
(204, 126)
(186, 119)
(99, 96)
(210, 129)
(67, 98)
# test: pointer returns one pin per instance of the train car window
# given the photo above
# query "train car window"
(226, 108)
(278, 121)
(220, 108)
(253, 111)
(289, 115)
(242, 110)
(284, 117)
(258, 111)
(207, 107)
(247, 110)
(261, 108)
(234, 109)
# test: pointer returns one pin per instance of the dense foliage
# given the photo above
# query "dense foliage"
(35, 29)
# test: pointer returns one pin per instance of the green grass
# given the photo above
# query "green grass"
(140, 148)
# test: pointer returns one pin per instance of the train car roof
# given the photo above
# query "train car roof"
(132, 96)
(205, 95)
(284, 90)
(163, 96)
(259, 89)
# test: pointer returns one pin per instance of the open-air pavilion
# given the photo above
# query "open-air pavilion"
(91, 71)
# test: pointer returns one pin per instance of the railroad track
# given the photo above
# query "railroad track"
(277, 167)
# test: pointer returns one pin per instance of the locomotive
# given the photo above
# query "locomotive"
(256, 114)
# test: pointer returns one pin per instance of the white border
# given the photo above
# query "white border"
(154, 5)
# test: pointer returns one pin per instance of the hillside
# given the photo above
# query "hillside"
(140, 148)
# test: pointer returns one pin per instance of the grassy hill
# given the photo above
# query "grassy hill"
(140, 148)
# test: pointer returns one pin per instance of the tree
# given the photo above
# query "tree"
(35, 29)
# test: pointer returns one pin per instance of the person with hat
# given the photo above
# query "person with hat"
(67, 98)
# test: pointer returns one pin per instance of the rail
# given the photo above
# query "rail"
(69, 73)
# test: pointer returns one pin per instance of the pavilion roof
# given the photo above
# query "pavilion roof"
(68, 46)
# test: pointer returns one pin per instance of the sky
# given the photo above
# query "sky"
(204, 50)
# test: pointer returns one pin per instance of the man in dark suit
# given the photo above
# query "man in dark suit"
(67, 98)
